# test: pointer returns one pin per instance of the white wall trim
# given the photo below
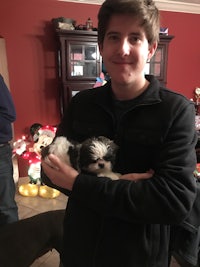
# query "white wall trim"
(165, 5)
(176, 6)
(94, 2)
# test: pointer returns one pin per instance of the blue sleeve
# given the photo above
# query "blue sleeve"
(7, 108)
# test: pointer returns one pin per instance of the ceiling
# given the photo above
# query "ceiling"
(186, 6)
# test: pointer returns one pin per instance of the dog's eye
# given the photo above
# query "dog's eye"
(93, 161)
(107, 158)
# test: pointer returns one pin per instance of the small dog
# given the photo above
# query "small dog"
(96, 155)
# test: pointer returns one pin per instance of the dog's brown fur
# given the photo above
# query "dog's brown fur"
(22, 242)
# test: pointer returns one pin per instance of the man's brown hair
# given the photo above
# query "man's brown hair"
(145, 10)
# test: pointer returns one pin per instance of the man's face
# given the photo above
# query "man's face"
(125, 49)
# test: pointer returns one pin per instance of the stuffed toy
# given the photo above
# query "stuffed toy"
(100, 81)
(41, 136)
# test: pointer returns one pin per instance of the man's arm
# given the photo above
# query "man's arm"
(7, 108)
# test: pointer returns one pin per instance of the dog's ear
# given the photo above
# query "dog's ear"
(114, 146)
(74, 152)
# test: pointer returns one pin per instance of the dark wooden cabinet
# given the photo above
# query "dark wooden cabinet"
(79, 61)
(158, 64)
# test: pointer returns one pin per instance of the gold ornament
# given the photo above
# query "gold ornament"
(28, 190)
(48, 192)
(33, 190)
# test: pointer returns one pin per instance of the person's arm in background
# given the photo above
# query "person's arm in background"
(7, 112)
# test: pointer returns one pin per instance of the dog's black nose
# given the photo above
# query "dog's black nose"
(101, 165)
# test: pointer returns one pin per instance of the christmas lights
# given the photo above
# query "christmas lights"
(42, 136)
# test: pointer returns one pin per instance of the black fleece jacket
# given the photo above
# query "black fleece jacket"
(124, 223)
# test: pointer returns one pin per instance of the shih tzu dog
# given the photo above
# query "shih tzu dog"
(96, 155)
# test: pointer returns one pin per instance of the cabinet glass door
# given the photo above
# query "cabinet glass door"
(154, 67)
(156, 61)
(83, 61)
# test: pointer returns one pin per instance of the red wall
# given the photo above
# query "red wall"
(31, 52)
(184, 53)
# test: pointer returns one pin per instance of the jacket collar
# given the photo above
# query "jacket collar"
(150, 96)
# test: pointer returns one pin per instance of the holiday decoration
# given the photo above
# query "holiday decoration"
(100, 80)
(197, 100)
(197, 94)
(29, 148)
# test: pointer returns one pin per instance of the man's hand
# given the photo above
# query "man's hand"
(137, 176)
(61, 174)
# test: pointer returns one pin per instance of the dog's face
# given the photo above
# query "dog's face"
(97, 155)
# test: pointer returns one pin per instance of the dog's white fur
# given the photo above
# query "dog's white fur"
(97, 149)
(59, 147)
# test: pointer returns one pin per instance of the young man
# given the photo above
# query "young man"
(125, 223)
(8, 206)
